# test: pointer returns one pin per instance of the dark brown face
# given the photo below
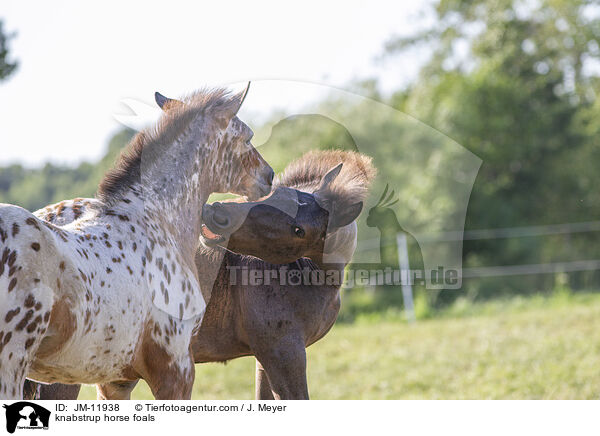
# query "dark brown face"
(284, 226)
(281, 228)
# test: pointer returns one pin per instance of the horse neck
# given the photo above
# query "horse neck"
(210, 262)
(173, 191)
(339, 248)
(318, 264)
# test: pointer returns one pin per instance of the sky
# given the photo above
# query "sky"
(80, 61)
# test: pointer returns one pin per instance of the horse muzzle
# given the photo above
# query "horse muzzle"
(220, 220)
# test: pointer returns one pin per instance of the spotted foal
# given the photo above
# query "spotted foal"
(114, 295)
(272, 321)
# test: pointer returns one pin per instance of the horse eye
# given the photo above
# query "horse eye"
(298, 231)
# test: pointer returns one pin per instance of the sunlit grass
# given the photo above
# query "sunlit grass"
(517, 349)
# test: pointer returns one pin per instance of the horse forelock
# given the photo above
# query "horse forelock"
(349, 187)
(150, 143)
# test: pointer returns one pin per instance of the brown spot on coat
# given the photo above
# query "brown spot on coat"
(11, 314)
(24, 321)
(29, 301)
(32, 222)
(12, 258)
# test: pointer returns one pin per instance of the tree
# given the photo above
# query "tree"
(513, 82)
(36, 188)
(7, 67)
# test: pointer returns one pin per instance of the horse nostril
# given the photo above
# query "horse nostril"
(221, 219)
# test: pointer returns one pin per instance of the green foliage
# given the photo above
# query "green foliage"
(36, 188)
(514, 83)
(7, 67)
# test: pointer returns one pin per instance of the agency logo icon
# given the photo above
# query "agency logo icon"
(26, 415)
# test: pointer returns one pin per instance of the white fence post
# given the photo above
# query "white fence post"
(407, 293)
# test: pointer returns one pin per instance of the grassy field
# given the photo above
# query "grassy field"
(546, 348)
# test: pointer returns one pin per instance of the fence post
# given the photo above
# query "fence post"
(407, 293)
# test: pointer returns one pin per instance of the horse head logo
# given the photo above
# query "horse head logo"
(30, 415)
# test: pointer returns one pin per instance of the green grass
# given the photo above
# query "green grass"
(514, 349)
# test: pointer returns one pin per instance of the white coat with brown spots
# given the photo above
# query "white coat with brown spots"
(114, 294)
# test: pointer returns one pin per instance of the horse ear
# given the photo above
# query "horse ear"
(330, 177)
(165, 102)
(322, 194)
(242, 97)
(237, 100)
(341, 218)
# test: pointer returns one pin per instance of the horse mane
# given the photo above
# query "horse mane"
(349, 187)
(151, 141)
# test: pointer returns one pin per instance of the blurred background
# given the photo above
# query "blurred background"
(513, 84)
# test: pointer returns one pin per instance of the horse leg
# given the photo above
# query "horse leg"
(262, 386)
(120, 390)
(15, 365)
(56, 391)
(31, 390)
(173, 382)
(285, 366)
(24, 319)
(168, 372)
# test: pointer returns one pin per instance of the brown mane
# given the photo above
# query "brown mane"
(151, 141)
(349, 187)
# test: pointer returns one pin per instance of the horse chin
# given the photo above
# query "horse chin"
(258, 191)
(276, 259)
